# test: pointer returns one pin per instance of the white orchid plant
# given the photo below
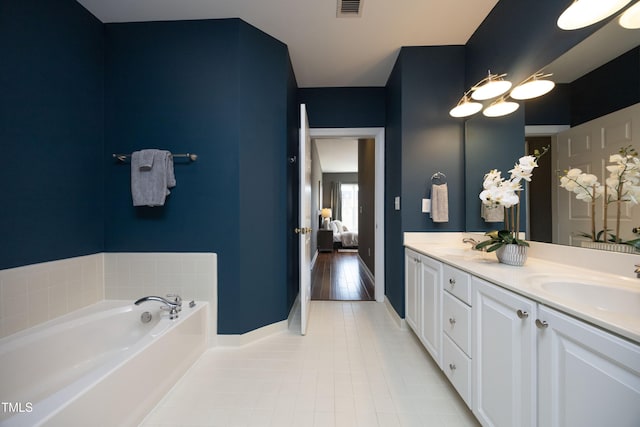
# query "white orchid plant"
(622, 186)
(505, 193)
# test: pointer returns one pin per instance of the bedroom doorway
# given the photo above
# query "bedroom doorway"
(357, 279)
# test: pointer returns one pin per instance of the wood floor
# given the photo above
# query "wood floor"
(338, 276)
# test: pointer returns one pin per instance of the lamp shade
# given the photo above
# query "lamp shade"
(466, 107)
(630, 19)
(582, 13)
(326, 213)
(493, 86)
(533, 87)
(500, 107)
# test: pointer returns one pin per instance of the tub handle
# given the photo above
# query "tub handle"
(173, 311)
(177, 300)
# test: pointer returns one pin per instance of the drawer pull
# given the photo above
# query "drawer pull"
(452, 366)
(452, 321)
(452, 281)
(541, 324)
(522, 314)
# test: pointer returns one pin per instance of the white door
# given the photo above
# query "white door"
(586, 377)
(588, 147)
(304, 221)
(504, 358)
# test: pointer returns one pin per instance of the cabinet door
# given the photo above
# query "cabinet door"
(430, 329)
(586, 377)
(504, 357)
(411, 289)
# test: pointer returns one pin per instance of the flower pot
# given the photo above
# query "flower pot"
(512, 254)
(611, 247)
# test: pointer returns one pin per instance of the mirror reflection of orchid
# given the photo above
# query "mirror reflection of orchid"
(505, 193)
(622, 186)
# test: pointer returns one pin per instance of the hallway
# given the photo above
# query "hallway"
(354, 367)
(339, 276)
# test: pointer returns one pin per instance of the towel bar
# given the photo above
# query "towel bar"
(123, 157)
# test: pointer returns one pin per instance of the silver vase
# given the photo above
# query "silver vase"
(512, 254)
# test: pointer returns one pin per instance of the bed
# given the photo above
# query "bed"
(342, 237)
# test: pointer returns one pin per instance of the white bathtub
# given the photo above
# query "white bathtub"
(99, 366)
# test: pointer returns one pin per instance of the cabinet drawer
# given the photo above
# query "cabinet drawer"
(456, 322)
(457, 282)
(457, 367)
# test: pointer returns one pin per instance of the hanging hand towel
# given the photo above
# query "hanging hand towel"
(150, 182)
(492, 214)
(439, 203)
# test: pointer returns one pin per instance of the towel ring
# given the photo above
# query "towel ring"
(438, 178)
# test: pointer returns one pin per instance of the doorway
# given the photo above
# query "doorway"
(377, 134)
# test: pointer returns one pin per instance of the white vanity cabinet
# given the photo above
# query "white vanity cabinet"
(456, 326)
(504, 364)
(423, 300)
(586, 376)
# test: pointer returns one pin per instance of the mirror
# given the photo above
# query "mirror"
(486, 142)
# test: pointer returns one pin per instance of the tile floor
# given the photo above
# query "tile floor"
(354, 367)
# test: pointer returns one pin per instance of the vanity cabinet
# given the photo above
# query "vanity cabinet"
(586, 376)
(423, 300)
(456, 327)
(504, 365)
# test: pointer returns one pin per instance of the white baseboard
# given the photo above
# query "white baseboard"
(366, 269)
(252, 336)
(313, 260)
(400, 322)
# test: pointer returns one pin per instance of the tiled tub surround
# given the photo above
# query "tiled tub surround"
(36, 293)
(545, 261)
(33, 294)
(100, 365)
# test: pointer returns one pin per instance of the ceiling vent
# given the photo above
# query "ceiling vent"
(349, 8)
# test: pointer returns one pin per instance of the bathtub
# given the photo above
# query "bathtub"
(98, 366)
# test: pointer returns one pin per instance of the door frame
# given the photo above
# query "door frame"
(376, 133)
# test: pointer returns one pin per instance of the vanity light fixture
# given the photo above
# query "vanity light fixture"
(466, 107)
(630, 19)
(501, 107)
(491, 86)
(534, 86)
(582, 13)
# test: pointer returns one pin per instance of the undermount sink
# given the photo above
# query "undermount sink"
(595, 294)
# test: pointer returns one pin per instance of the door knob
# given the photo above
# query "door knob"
(522, 314)
(541, 324)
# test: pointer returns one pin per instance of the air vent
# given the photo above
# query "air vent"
(349, 8)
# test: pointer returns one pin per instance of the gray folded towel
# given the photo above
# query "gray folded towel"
(440, 203)
(151, 177)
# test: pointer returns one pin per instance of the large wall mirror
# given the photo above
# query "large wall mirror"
(546, 206)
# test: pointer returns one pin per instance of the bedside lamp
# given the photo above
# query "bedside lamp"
(326, 215)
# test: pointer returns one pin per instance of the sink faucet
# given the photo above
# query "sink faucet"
(471, 240)
(171, 307)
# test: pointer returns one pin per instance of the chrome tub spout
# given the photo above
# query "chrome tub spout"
(169, 306)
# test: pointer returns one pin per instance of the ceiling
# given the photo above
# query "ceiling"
(337, 155)
(326, 51)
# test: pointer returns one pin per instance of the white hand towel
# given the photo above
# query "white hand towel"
(150, 184)
(492, 213)
(440, 203)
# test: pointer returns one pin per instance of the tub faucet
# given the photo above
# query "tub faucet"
(171, 307)
(177, 300)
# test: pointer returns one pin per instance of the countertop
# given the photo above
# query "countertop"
(526, 281)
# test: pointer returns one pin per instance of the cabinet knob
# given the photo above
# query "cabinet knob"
(452, 366)
(522, 314)
(541, 324)
(452, 321)
(452, 281)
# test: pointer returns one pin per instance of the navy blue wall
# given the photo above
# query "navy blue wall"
(216, 88)
(421, 139)
(344, 107)
(51, 131)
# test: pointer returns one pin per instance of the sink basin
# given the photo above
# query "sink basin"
(597, 295)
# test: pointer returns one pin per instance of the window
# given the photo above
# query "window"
(349, 195)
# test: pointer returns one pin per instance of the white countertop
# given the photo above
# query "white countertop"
(525, 280)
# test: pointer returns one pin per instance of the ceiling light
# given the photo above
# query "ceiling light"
(500, 107)
(466, 107)
(533, 87)
(630, 19)
(490, 87)
(583, 13)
